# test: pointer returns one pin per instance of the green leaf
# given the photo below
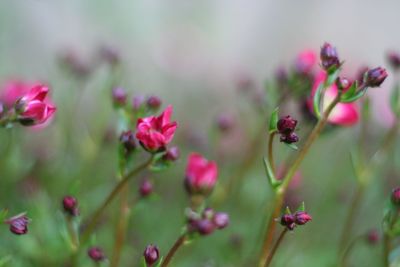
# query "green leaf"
(302, 207)
(292, 146)
(159, 164)
(273, 121)
(3, 214)
(287, 210)
(395, 100)
(350, 92)
(270, 174)
(354, 97)
(317, 100)
(159, 262)
(4, 260)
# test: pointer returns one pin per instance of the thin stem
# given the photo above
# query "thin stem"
(178, 243)
(275, 248)
(289, 175)
(348, 249)
(270, 151)
(74, 239)
(386, 249)
(94, 219)
(121, 227)
(351, 215)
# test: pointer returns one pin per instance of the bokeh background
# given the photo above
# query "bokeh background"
(193, 54)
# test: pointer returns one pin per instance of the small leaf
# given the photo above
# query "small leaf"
(354, 97)
(273, 121)
(302, 207)
(270, 174)
(292, 146)
(3, 214)
(158, 264)
(332, 76)
(350, 92)
(159, 164)
(287, 210)
(317, 100)
(395, 101)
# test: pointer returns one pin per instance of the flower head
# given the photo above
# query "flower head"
(396, 196)
(375, 77)
(18, 224)
(32, 108)
(201, 175)
(305, 61)
(302, 217)
(329, 57)
(154, 133)
(96, 254)
(70, 205)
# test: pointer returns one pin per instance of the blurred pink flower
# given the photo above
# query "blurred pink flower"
(201, 175)
(344, 114)
(154, 133)
(305, 61)
(32, 108)
(13, 90)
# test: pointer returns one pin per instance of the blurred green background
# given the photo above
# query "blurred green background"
(192, 54)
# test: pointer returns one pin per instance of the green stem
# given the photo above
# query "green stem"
(270, 151)
(117, 189)
(386, 249)
(348, 250)
(275, 248)
(178, 243)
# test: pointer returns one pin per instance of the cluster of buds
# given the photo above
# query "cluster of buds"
(70, 205)
(206, 222)
(151, 255)
(18, 224)
(96, 254)
(286, 127)
(290, 221)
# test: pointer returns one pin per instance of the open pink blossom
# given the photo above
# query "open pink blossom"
(32, 108)
(154, 133)
(305, 61)
(344, 114)
(201, 175)
(13, 90)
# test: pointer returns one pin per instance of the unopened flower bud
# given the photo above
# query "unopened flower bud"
(375, 77)
(396, 196)
(137, 102)
(205, 226)
(221, 220)
(70, 205)
(151, 255)
(329, 57)
(373, 236)
(154, 102)
(225, 122)
(394, 59)
(146, 188)
(128, 141)
(288, 220)
(342, 83)
(289, 138)
(286, 125)
(18, 224)
(302, 217)
(96, 254)
(109, 54)
(172, 154)
(119, 96)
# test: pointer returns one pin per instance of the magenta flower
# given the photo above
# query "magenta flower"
(154, 133)
(343, 114)
(305, 61)
(96, 254)
(201, 175)
(32, 108)
(13, 90)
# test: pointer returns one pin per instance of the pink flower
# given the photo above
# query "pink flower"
(201, 175)
(32, 108)
(13, 90)
(344, 114)
(305, 61)
(154, 133)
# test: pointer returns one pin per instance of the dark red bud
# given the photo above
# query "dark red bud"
(146, 188)
(286, 125)
(289, 138)
(70, 205)
(205, 226)
(18, 224)
(221, 220)
(119, 96)
(172, 154)
(375, 77)
(394, 59)
(96, 254)
(329, 57)
(373, 237)
(151, 255)
(128, 141)
(302, 217)
(396, 196)
(154, 102)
